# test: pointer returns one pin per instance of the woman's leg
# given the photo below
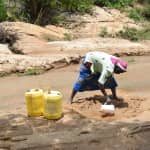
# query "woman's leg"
(112, 84)
(114, 93)
(79, 86)
(72, 96)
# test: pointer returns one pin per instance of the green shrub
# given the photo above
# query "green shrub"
(144, 2)
(68, 36)
(45, 11)
(103, 32)
(136, 14)
(4, 74)
(47, 38)
(3, 12)
(113, 3)
(144, 34)
(134, 34)
(77, 5)
(146, 13)
(57, 19)
(128, 33)
(33, 71)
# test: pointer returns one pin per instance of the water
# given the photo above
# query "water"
(137, 78)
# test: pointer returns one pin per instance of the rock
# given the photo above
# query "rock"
(5, 145)
(27, 38)
(125, 131)
(110, 45)
(18, 138)
(86, 130)
(67, 119)
(31, 30)
(5, 138)
(111, 20)
(58, 30)
(4, 49)
(22, 63)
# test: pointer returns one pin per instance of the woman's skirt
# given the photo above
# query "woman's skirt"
(88, 82)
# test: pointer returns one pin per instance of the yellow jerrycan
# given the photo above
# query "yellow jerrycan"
(52, 105)
(34, 102)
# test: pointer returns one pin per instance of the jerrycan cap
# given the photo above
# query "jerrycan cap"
(53, 93)
(33, 91)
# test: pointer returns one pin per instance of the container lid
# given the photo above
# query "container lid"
(34, 91)
(53, 93)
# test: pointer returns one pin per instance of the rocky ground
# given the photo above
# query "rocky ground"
(73, 134)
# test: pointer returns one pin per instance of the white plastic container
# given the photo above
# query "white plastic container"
(110, 109)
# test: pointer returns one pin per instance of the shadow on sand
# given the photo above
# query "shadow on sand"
(119, 103)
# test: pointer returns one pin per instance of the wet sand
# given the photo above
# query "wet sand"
(134, 84)
(82, 125)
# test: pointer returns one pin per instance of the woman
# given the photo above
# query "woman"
(96, 72)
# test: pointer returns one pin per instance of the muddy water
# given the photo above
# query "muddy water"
(12, 88)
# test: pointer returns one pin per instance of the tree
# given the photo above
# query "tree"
(39, 11)
(3, 13)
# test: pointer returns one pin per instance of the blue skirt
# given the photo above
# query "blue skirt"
(88, 82)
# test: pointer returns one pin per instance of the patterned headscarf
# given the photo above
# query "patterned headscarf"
(120, 63)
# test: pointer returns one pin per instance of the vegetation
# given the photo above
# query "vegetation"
(128, 33)
(146, 12)
(134, 34)
(68, 36)
(33, 71)
(144, 34)
(58, 19)
(140, 14)
(104, 32)
(54, 11)
(113, 3)
(140, 10)
(28, 72)
(136, 14)
(3, 12)
(48, 38)
(4, 74)
(50, 11)
(77, 5)
(43, 11)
